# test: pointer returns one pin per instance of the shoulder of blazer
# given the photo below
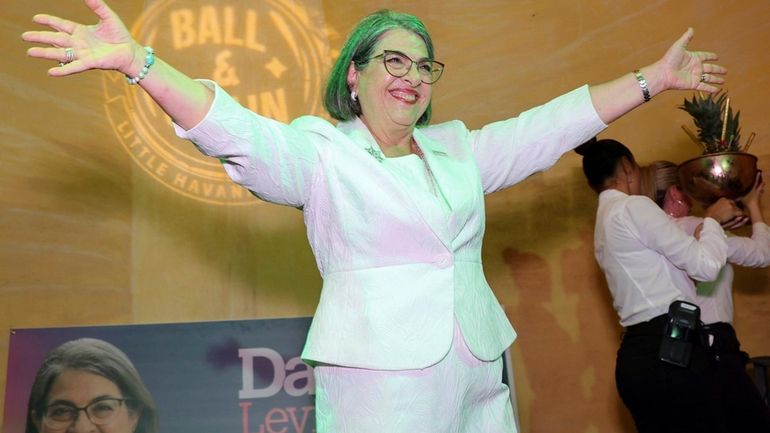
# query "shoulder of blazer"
(450, 137)
(452, 129)
(344, 134)
(316, 125)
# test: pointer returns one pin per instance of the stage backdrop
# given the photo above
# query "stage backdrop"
(106, 218)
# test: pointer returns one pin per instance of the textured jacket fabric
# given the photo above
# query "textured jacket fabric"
(396, 272)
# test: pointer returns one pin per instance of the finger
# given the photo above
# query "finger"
(708, 88)
(743, 221)
(56, 23)
(727, 225)
(60, 71)
(736, 223)
(68, 69)
(58, 54)
(100, 8)
(706, 56)
(51, 38)
(710, 68)
(711, 79)
(685, 38)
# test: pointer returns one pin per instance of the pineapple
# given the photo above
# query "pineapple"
(718, 127)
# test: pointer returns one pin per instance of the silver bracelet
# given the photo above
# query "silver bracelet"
(149, 60)
(642, 84)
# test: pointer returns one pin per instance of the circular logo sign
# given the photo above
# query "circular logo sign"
(272, 56)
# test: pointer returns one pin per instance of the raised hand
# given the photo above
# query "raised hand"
(685, 69)
(754, 196)
(724, 211)
(105, 45)
(752, 200)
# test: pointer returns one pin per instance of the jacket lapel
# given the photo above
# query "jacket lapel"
(448, 173)
(436, 158)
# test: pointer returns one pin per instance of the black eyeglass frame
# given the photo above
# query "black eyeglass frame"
(77, 410)
(411, 62)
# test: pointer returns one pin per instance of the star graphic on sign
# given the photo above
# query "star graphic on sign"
(276, 67)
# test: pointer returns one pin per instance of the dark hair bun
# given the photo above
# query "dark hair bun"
(587, 147)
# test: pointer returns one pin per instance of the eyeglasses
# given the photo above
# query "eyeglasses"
(99, 412)
(399, 64)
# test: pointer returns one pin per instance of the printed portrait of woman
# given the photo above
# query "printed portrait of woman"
(89, 385)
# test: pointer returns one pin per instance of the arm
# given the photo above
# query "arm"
(724, 210)
(510, 150)
(678, 69)
(754, 251)
(544, 133)
(701, 258)
(741, 250)
(108, 45)
(751, 205)
(752, 200)
(275, 161)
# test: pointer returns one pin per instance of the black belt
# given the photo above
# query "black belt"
(654, 326)
(722, 328)
(657, 326)
(720, 337)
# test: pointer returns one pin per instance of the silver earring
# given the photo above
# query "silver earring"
(354, 96)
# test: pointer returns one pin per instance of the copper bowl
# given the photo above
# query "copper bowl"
(710, 177)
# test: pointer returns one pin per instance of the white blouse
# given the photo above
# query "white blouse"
(715, 298)
(643, 252)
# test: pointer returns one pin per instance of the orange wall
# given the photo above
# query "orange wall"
(95, 230)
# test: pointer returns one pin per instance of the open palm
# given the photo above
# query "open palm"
(105, 45)
(691, 69)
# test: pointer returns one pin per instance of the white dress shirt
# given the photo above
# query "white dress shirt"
(642, 252)
(715, 298)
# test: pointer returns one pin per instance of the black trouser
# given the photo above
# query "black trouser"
(744, 410)
(663, 397)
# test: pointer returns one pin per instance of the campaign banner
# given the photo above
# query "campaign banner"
(231, 376)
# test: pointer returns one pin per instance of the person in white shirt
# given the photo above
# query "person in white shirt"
(745, 411)
(642, 252)
(407, 328)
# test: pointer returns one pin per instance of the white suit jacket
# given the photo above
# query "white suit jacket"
(396, 273)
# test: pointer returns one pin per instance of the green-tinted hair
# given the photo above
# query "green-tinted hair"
(358, 49)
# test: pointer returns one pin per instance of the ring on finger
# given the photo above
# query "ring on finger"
(69, 56)
(702, 78)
